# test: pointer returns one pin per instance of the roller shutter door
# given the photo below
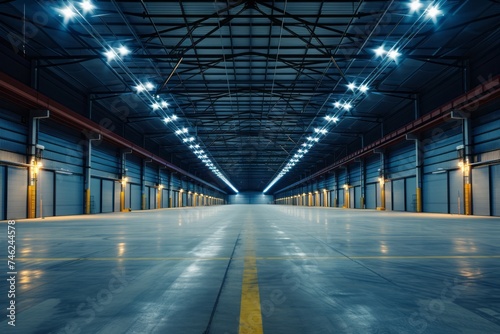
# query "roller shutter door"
(357, 197)
(135, 197)
(46, 193)
(456, 192)
(17, 193)
(69, 194)
(495, 190)
(107, 196)
(398, 195)
(481, 191)
(388, 196)
(118, 189)
(95, 195)
(341, 198)
(371, 196)
(435, 193)
(411, 194)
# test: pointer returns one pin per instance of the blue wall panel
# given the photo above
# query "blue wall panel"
(400, 161)
(105, 161)
(95, 195)
(12, 132)
(133, 166)
(250, 198)
(486, 131)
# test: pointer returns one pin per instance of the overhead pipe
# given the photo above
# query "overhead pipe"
(27, 97)
(476, 97)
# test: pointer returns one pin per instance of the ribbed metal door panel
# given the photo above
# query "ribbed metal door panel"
(495, 190)
(164, 198)
(146, 195)
(411, 194)
(135, 197)
(46, 193)
(370, 196)
(69, 194)
(128, 203)
(481, 191)
(17, 192)
(435, 193)
(152, 198)
(341, 197)
(118, 189)
(398, 195)
(3, 191)
(95, 195)
(456, 192)
(388, 196)
(357, 197)
(107, 196)
(352, 198)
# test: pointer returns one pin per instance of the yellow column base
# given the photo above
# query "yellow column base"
(467, 199)
(31, 201)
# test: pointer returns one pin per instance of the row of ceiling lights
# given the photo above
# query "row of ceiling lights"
(118, 53)
(344, 105)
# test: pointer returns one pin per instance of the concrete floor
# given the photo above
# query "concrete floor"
(256, 269)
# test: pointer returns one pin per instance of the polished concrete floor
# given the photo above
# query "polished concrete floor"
(256, 269)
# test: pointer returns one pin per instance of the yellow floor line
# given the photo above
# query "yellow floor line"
(250, 311)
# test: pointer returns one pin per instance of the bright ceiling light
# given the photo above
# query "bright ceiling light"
(178, 132)
(415, 5)
(337, 104)
(123, 51)
(149, 86)
(347, 106)
(155, 106)
(393, 54)
(351, 86)
(110, 54)
(87, 6)
(321, 131)
(380, 51)
(333, 118)
(140, 88)
(67, 12)
(363, 88)
(164, 104)
(433, 12)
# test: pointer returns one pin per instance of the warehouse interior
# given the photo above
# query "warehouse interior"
(251, 166)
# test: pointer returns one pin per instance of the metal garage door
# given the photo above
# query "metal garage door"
(135, 197)
(388, 196)
(398, 195)
(341, 197)
(128, 203)
(481, 191)
(357, 197)
(17, 192)
(152, 198)
(95, 195)
(164, 198)
(69, 194)
(411, 194)
(456, 191)
(46, 193)
(107, 196)
(371, 196)
(435, 193)
(495, 190)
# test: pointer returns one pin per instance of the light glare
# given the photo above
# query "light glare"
(87, 6)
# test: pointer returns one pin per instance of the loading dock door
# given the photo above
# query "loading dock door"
(46, 193)
(411, 194)
(481, 191)
(17, 185)
(370, 196)
(495, 190)
(456, 192)
(107, 196)
(398, 195)
(69, 194)
(435, 193)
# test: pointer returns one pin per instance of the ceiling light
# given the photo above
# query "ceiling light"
(337, 104)
(304, 145)
(110, 54)
(433, 12)
(178, 132)
(321, 131)
(380, 51)
(164, 104)
(393, 54)
(347, 106)
(332, 118)
(363, 88)
(155, 106)
(123, 51)
(67, 12)
(351, 86)
(140, 88)
(87, 6)
(149, 86)
(415, 5)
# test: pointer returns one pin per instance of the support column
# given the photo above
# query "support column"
(92, 136)
(124, 178)
(143, 183)
(381, 178)
(465, 157)
(34, 160)
(418, 168)
(362, 179)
